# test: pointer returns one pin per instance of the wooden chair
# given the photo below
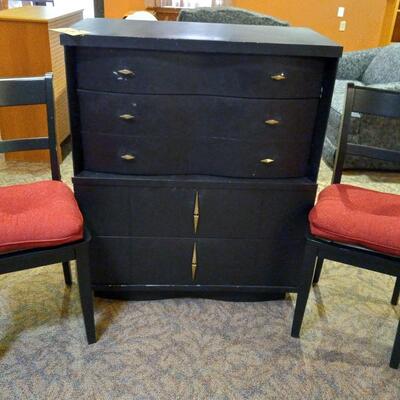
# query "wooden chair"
(46, 232)
(339, 222)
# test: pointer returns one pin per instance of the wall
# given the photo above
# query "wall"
(118, 8)
(86, 5)
(364, 17)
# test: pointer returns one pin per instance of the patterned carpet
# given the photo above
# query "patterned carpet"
(198, 348)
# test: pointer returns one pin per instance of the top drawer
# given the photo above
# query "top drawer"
(154, 72)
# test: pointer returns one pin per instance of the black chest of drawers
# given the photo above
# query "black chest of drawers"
(196, 150)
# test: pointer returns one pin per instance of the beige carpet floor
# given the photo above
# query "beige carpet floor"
(198, 348)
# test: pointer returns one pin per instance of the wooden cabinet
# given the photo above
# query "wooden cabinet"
(396, 24)
(29, 48)
(391, 23)
(164, 13)
(196, 151)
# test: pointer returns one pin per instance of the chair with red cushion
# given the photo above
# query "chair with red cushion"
(40, 223)
(353, 225)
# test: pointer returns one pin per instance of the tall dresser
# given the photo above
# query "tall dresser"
(196, 151)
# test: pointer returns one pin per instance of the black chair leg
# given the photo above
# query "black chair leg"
(85, 291)
(318, 268)
(306, 278)
(395, 358)
(396, 291)
(67, 273)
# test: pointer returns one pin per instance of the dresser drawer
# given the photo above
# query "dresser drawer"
(155, 72)
(151, 261)
(197, 116)
(201, 209)
(248, 262)
(120, 210)
(277, 212)
(282, 157)
(171, 261)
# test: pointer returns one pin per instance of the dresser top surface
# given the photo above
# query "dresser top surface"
(38, 14)
(202, 37)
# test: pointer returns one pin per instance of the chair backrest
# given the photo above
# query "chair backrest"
(365, 100)
(31, 91)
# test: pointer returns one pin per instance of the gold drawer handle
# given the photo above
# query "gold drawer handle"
(194, 262)
(267, 161)
(279, 77)
(128, 157)
(272, 122)
(127, 117)
(126, 72)
(196, 212)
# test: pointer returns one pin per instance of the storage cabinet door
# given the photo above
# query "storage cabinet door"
(248, 262)
(279, 212)
(136, 211)
(141, 261)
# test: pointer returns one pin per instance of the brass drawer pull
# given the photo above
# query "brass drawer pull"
(279, 77)
(272, 122)
(127, 117)
(194, 262)
(267, 161)
(128, 157)
(196, 212)
(126, 72)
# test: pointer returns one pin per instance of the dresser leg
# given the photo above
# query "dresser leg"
(85, 291)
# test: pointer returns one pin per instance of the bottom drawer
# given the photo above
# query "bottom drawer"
(189, 261)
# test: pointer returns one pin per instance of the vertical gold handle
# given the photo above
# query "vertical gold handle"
(196, 212)
(279, 77)
(194, 262)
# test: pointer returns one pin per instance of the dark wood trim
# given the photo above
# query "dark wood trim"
(196, 288)
(73, 105)
(22, 91)
(373, 152)
(12, 145)
(202, 37)
(328, 84)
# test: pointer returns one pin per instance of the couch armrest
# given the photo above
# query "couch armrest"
(354, 63)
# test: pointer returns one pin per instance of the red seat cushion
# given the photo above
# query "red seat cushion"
(40, 214)
(358, 216)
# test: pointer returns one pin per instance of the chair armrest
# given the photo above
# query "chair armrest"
(354, 63)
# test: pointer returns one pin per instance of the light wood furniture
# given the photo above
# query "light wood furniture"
(33, 50)
(3, 4)
(164, 13)
(391, 23)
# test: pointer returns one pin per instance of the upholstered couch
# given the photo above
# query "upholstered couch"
(228, 15)
(378, 68)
